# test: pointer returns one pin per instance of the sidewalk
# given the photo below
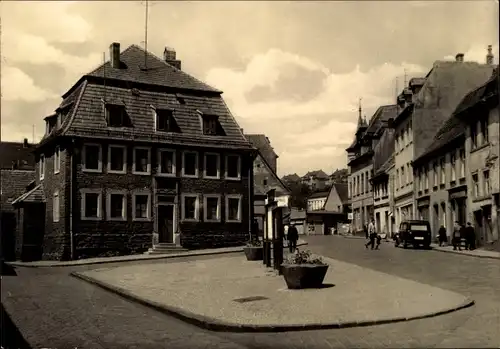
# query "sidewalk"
(474, 253)
(136, 257)
(236, 295)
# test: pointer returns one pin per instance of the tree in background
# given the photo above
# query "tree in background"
(340, 176)
(299, 192)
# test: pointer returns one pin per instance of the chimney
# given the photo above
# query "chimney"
(114, 55)
(25, 143)
(169, 56)
(459, 57)
(489, 56)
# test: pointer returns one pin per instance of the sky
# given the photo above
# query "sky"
(292, 70)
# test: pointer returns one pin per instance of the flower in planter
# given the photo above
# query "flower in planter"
(304, 257)
(254, 243)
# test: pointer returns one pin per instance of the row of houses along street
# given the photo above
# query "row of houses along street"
(433, 155)
(142, 157)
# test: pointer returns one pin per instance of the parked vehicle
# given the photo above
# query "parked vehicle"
(413, 232)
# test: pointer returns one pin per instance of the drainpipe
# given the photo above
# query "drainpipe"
(250, 196)
(71, 184)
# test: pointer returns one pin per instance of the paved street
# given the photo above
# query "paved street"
(54, 310)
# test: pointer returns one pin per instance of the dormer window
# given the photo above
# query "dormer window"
(211, 125)
(116, 116)
(165, 121)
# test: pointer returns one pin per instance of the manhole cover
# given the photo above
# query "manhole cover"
(250, 299)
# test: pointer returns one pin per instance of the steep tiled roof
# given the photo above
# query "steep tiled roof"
(158, 71)
(13, 184)
(132, 87)
(34, 195)
(260, 189)
(291, 178)
(89, 118)
(343, 191)
(13, 154)
(320, 174)
(387, 165)
(454, 127)
(445, 87)
(381, 117)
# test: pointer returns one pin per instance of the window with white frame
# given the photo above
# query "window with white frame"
(453, 163)
(475, 181)
(116, 205)
(190, 164)
(403, 177)
(190, 207)
(409, 173)
(474, 134)
(486, 181)
(57, 160)
(442, 171)
(211, 165)
(91, 200)
(55, 207)
(92, 158)
(462, 164)
(484, 129)
(426, 179)
(211, 206)
(117, 159)
(233, 167)
(233, 208)
(362, 183)
(142, 160)
(42, 166)
(141, 206)
(166, 162)
(435, 174)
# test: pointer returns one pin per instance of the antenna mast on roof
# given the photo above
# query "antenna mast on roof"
(396, 95)
(405, 78)
(33, 134)
(146, 37)
(104, 75)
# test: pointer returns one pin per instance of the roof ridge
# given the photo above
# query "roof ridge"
(171, 66)
(77, 104)
(272, 171)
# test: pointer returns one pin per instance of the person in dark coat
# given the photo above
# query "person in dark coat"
(442, 236)
(365, 229)
(457, 236)
(255, 230)
(470, 237)
(292, 236)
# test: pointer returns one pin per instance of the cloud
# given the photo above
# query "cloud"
(16, 85)
(316, 130)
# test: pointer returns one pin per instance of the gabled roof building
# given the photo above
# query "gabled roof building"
(140, 155)
(442, 188)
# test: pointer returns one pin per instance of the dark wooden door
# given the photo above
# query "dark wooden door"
(166, 223)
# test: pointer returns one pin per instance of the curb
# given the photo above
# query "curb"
(153, 257)
(466, 254)
(221, 326)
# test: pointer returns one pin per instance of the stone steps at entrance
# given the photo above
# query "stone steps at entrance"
(165, 248)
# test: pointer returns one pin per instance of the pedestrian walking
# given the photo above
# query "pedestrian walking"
(371, 235)
(456, 239)
(365, 229)
(442, 236)
(470, 237)
(292, 236)
(255, 230)
(379, 240)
